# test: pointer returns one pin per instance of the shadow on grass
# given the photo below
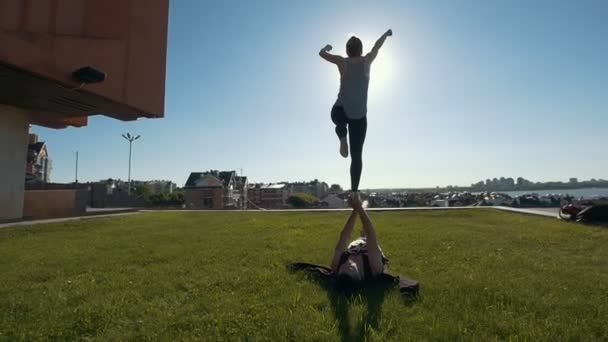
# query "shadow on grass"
(372, 294)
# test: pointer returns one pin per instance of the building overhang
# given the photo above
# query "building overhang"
(56, 105)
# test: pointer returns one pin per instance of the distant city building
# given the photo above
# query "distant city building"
(242, 185)
(215, 190)
(439, 203)
(161, 186)
(38, 167)
(254, 194)
(316, 188)
(268, 196)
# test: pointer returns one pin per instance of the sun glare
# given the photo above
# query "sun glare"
(383, 70)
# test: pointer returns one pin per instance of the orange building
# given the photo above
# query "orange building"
(64, 60)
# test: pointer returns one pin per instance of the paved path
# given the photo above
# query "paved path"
(549, 212)
(97, 211)
(64, 219)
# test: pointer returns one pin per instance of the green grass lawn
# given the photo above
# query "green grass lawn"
(485, 275)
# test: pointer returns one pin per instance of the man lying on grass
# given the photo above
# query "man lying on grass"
(362, 259)
(357, 262)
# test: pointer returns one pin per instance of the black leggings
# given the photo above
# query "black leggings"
(356, 138)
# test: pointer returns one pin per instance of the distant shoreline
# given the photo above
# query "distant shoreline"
(468, 189)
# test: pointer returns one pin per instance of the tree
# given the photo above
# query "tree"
(336, 188)
(166, 199)
(176, 198)
(302, 200)
(143, 190)
(477, 186)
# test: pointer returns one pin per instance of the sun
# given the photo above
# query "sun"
(383, 70)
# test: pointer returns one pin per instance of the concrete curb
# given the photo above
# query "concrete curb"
(546, 212)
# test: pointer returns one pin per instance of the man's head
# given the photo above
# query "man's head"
(354, 47)
(349, 275)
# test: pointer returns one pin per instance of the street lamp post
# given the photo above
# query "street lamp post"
(130, 139)
(76, 175)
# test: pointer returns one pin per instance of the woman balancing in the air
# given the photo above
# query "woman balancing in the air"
(349, 113)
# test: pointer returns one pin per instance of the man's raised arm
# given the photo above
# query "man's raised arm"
(373, 249)
(343, 241)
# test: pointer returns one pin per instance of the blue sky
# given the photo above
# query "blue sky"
(463, 91)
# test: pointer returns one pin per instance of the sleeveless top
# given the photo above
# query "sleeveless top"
(354, 82)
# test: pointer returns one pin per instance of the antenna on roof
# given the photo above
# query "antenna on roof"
(243, 195)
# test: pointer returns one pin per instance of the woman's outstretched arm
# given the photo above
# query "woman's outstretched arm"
(335, 59)
(372, 54)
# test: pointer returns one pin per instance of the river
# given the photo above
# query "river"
(577, 193)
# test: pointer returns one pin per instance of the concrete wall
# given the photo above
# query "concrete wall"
(13, 152)
(99, 198)
(44, 204)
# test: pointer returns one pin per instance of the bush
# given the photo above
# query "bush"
(166, 199)
(302, 200)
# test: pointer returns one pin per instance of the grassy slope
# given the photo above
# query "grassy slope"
(485, 275)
